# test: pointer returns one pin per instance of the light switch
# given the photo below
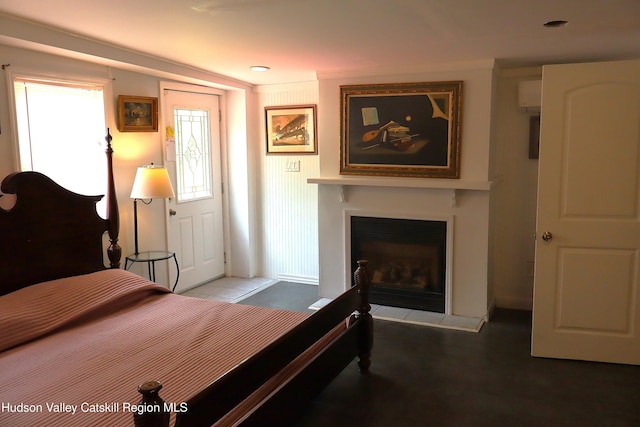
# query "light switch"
(292, 166)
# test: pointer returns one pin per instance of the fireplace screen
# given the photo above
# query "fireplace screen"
(407, 260)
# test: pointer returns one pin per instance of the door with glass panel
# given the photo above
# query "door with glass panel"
(195, 229)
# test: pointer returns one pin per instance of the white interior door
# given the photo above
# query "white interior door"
(587, 292)
(193, 160)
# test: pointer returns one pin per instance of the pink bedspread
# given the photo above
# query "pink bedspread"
(73, 351)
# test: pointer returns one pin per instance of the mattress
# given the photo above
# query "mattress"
(74, 350)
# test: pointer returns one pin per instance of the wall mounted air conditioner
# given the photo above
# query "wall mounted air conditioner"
(530, 96)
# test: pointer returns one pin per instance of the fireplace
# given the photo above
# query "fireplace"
(407, 260)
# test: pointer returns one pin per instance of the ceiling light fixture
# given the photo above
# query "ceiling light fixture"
(260, 68)
(556, 23)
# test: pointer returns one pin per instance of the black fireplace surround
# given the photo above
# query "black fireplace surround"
(407, 260)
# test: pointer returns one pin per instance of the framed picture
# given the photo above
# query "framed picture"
(405, 129)
(291, 129)
(137, 114)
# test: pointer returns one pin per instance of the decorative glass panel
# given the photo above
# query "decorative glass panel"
(193, 160)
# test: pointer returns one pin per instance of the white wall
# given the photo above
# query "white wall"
(476, 110)
(288, 206)
(239, 170)
(514, 205)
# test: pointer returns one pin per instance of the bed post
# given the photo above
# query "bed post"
(114, 251)
(365, 339)
(152, 411)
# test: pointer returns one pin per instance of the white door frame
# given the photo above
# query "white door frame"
(223, 158)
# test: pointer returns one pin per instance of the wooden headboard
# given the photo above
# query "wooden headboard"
(52, 232)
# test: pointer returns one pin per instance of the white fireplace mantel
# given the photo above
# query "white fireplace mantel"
(453, 185)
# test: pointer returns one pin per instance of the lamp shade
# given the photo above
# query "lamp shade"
(152, 182)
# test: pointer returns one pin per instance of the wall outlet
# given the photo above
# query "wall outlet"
(292, 166)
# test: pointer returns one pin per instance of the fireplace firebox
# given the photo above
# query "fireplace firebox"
(407, 260)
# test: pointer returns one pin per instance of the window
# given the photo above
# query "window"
(193, 166)
(61, 129)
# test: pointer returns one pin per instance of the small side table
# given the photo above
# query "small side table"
(150, 257)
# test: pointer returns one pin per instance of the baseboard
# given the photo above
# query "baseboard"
(307, 280)
(515, 303)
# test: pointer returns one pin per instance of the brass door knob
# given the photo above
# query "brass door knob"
(547, 236)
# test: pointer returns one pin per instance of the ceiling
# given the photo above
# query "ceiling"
(301, 39)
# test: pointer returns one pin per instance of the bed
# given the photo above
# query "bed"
(84, 344)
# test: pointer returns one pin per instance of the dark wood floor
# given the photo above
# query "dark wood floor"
(423, 376)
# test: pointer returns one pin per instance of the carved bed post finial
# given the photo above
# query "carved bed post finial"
(151, 410)
(114, 251)
(365, 341)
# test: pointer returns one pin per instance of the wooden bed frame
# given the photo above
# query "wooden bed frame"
(52, 233)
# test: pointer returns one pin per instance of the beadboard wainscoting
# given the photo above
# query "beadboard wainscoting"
(288, 205)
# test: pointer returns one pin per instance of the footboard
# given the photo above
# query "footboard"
(268, 387)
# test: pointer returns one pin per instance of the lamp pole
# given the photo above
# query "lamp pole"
(135, 223)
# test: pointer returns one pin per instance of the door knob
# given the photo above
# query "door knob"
(172, 212)
(547, 236)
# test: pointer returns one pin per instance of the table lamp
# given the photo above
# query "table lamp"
(151, 182)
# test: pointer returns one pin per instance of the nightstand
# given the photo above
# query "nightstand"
(150, 257)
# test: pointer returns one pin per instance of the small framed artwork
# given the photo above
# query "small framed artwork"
(291, 129)
(405, 129)
(137, 114)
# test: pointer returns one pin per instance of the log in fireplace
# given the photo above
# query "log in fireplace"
(407, 260)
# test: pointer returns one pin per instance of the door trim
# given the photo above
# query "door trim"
(195, 89)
